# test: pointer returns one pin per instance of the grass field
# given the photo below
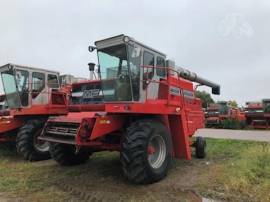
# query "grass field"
(240, 171)
(232, 171)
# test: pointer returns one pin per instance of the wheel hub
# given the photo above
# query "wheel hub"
(40, 145)
(156, 151)
(151, 150)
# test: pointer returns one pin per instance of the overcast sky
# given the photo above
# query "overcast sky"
(226, 41)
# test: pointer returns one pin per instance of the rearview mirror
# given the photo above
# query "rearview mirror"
(91, 48)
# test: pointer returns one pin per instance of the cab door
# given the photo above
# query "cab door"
(150, 87)
(22, 80)
(39, 89)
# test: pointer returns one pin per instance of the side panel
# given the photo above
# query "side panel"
(42, 110)
(195, 115)
(180, 136)
(107, 124)
(9, 123)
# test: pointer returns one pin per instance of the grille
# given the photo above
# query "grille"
(61, 132)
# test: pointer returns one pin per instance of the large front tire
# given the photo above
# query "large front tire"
(28, 146)
(146, 152)
(66, 155)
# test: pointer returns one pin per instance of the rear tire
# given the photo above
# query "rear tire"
(140, 165)
(200, 146)
(26, 141)
(66, 155)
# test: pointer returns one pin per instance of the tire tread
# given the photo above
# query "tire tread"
(24, 141)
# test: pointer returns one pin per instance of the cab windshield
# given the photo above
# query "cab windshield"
(10, 88)
(16, 87)
(119, 73)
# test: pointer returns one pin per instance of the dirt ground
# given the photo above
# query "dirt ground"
(101, 179)
(106, 183)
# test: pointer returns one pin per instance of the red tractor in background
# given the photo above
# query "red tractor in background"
(31, 96)
(222, 115)
(66, 82)
(258, 114)
(142, 106)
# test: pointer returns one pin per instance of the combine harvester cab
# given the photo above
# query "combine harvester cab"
(31, 96)
(143, 106)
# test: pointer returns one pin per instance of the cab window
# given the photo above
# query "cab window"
(38, 83)
(22, 79)
(148, 60)
(161, 70)
(53, 81)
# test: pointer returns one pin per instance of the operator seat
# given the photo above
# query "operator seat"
(123, 90)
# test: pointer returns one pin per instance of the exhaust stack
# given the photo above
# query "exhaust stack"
(91, 67)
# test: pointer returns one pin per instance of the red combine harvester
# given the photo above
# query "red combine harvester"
(258, 114)
(142, 107)
(66, 82)
(218, 113)
(31, 96)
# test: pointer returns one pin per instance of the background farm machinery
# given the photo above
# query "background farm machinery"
(222, 115)
(31, 96)
(258, 114)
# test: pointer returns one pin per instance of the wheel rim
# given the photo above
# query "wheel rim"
(40, 145)
(156, 151)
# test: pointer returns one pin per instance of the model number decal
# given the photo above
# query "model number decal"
(90, 93)
(175, 91)
(188, 94)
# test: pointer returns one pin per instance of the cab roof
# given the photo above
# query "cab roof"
(119, 39)
(29, 68)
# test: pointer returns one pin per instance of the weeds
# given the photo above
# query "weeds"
(232, 124)
(244, 176)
